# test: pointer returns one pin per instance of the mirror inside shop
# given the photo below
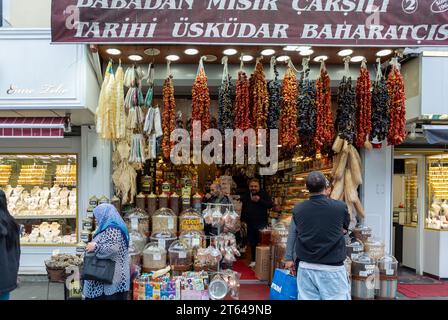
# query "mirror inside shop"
(41, 193)
(322, 108)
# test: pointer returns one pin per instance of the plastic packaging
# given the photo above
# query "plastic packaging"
(181, 258)
(164, 219)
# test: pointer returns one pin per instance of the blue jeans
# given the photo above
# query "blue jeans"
(4, 296)
(323, 285)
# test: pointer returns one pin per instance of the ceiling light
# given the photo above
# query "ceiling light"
(113, 51)
(247, 58)
(230, 52)
(384, 53)
(357, 59)
(283, 58)
(268, 52)
(303, 48)
(345, 52)
(152, 52)
(290, 48)
(135, 57)
(306, 53)
(172, 57)
(191, 52)
(321, 58)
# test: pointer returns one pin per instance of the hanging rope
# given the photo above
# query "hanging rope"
(201, 64)
(168, 68)
(306, 68)
(291, 65)
(364, 64)
(347, 66)
(272, 69)
(242, 62)
(225, 72)
(379, 72)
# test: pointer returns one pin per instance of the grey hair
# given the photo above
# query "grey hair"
(316, 182)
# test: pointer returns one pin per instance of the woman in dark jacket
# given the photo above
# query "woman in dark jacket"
(9, 250)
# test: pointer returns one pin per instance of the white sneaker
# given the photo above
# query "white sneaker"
(252, 264)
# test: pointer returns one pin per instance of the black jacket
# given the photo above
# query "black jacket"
(255, 214)
(9, 263)
(320, 224)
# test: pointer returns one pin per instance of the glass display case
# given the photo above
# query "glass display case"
(437, 193)
(411, 192)
(41, 191)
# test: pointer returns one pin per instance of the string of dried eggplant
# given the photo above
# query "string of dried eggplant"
(346, 114)
(225, 101)
(274, 92)
(306, 116)
(380, 110)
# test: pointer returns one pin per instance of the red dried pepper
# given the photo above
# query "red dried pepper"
(288, 113)
(168, 116)
(260, 98)
(397, 115)
(201, 101)
(242, 109)
(363, 107)
(324, 117)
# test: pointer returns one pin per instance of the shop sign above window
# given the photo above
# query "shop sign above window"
(313, 22)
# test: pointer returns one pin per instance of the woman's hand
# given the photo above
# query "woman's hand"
(91, 246)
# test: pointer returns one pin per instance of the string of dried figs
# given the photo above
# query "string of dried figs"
(397, 115)
(168, 115)
(260, 97)
(363, 111)
(242, 111)
(201, 101)
(346, 115)
(380, 110)
(324, 118)
(306, 117)
(225, 101)
(274, 91)
(288, 112)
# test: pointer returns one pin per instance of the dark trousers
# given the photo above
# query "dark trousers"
(253, 235)
(115, 297)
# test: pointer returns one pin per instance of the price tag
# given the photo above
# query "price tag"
(157, 257)
(134, 224)
(161, 243)
(196, 242)
(170, 223)
(182, 255)
(389, 272)
(363, 273)
(354, 256)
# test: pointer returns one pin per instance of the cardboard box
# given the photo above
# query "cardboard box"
(263, 263)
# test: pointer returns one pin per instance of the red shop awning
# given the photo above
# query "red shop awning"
(32, 127)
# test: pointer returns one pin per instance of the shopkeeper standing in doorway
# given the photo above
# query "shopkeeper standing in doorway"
(255, 214)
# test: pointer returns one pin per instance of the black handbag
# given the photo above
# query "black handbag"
(96, 269)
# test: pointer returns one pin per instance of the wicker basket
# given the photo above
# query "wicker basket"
(56, 275)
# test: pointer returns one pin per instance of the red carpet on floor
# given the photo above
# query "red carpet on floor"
(423, 290)
(246, 272)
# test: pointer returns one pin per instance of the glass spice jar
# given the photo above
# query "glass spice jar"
(152, 204)
(140, 201)
(174, 203)
(163, 200)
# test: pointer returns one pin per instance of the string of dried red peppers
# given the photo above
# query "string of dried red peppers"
(397, 115)
(363, 107)
(324, 119)
(168, 115)
(260, 98)
(201, 101)
(288, 113)
(242, 109)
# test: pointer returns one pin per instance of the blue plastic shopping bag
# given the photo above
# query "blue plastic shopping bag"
(284, 286)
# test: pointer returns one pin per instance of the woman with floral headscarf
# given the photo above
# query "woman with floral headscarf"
(110, 241)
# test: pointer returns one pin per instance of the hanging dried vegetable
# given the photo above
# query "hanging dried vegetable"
(324, 119)
(274, 90)
(242, 111)
(364, 107)
(397, 111)
(104, 109)
(346, 114)
(288, 112)
(380, 110)
(201, 100)
(225, 101)
(306, 116)
(260, 97)
(168, 115)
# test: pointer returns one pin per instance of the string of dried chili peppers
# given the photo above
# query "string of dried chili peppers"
(346, 114)
(242, 110)
(201, 101)
(397, 111)
(288, 113)
(260, 97)
(364, 107)
(168, 115)
(324, 120)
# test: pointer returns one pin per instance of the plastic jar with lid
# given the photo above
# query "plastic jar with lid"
(154, 257)
(181, 257)
(354, 249)
(174, 203)
(138, 240)
(388, 278)
(195, 239)
(164, 219)
(279, 233)
(363, 277)
(191, 220)
(138, 220)
(375, 248)
(163, 238)
(265, 237)
(362, 233)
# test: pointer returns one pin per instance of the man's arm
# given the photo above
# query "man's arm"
(346, 220)
(291, 243)
(266, 201)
